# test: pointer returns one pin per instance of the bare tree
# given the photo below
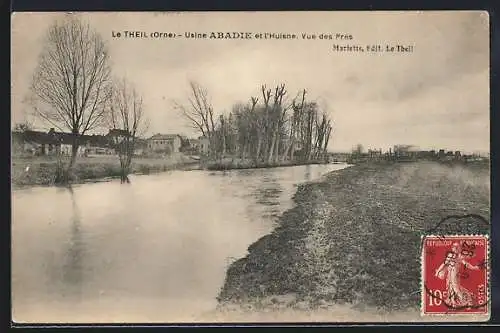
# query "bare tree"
(265, 132)
(329, 129)
(71, 85)
(223, 131)
(276, 121)
(199, 113)
(268, 133)
(128, 122)
(246, 124)
(298, 110)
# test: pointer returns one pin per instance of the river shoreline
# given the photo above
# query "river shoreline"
(27, 172)
(239, 164)
(30, 172)
(353, 238)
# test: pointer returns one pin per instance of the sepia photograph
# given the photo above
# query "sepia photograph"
(250, 167)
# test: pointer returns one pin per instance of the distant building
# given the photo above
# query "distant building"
(426, 154)
(412, 153)
(165, 143)
(116, 134)
(186, 144)
(50, 143)
(140, 147)
(99, 144)
(34, 143)
(204, 145)
(87, 144)
(405, 150)
(61, 143)
(374, 153)
(194, 144)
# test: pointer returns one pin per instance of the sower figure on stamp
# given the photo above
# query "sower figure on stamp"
(458, 296)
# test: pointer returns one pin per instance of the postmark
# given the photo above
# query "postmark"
(455, 271)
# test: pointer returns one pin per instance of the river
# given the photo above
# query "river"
(156, 250)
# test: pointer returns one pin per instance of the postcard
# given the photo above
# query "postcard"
(221, 167)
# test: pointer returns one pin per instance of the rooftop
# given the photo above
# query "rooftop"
(159, 136)
(53, 137)
(118, 132)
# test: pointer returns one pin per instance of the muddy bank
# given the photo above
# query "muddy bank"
(354, 238)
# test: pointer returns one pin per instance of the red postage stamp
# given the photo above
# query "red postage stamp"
(455, 275)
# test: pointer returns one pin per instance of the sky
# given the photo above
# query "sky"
(434, 97)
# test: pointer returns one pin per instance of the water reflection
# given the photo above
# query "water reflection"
(308, 175)
(72, 266)
(269, 190)
(269, 195)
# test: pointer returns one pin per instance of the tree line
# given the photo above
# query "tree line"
(270, 128)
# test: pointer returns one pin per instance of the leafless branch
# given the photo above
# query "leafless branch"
(70, 86)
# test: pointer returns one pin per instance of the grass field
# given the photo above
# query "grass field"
(353, 238)
(42, 170)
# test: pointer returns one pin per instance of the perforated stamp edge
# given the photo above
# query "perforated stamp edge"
(487, 282)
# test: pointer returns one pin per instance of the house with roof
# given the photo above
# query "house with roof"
(140, 146)
(59, 143)
(116, 135)
(109, 143)
(166, 143)
(203, 145)
(97, 144)
(114, 139)
(34, 143)
(64, 143)
(194, 144)
(405, 150)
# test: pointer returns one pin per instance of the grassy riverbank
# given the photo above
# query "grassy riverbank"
(230, 164)
(42, 170)
(354, 238)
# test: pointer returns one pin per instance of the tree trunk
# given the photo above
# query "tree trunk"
(259, 144)
(126, 169)
(292, 149)
(212, 149)
(327, 138)
(242, 151)
(125, 153)
(274, 141)
(223, 148)
(309, 135)
(277, 147)
(122, 170)
(271, 148)
(74, 154)
(245, 147)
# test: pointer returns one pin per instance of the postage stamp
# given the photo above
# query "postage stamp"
(455, 270)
